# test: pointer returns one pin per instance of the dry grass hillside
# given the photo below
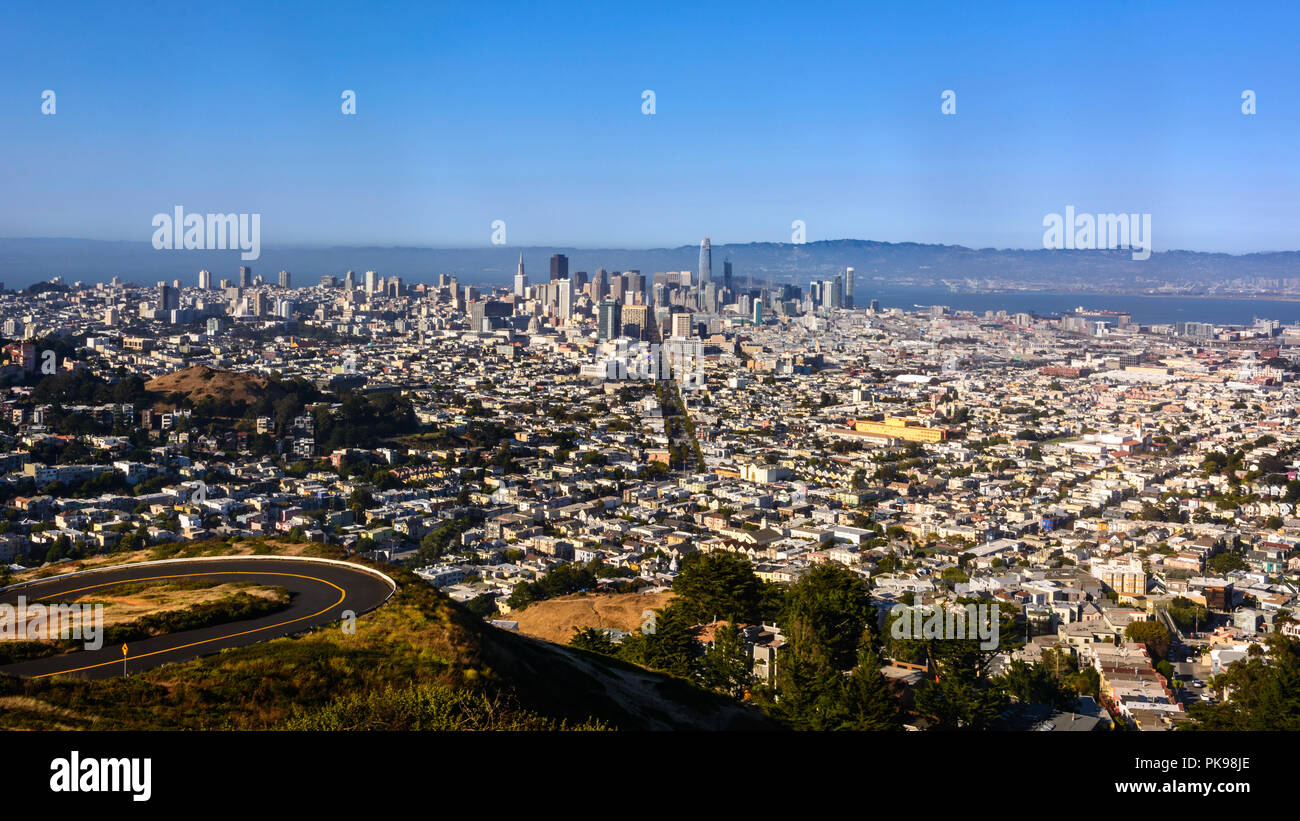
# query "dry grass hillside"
(201, 382)
(554, 619)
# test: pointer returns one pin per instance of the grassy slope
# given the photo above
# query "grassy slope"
(554, 619)
(419, 639)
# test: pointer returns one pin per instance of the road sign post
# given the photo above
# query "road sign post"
(123, 658)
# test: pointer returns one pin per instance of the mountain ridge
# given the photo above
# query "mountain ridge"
(24, 261)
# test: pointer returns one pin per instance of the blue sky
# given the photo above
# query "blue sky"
(766, 113)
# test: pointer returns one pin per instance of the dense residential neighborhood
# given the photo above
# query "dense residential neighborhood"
(1084, 473)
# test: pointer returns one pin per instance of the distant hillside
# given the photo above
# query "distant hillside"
(554, 619)
(26, 261)
(419, 662)
(200, 382)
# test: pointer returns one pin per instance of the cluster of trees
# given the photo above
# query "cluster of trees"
(1226, 563)
(363, 421)
(565, 579)
(1171, 512)
(81, 387)
(1187, 614)
(1151, 633)
(440, 540)
(1218, 463)
(1265, 691)
(958, 693)
(828, 675)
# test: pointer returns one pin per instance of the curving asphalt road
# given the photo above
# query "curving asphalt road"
(320, 594)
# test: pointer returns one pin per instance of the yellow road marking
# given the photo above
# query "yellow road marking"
(342, 595)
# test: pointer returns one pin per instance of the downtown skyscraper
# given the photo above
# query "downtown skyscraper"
(559, 267)
(521, 279)
(706, 263)
(609, 320)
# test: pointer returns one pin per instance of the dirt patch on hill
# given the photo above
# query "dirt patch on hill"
(554, 619)
(164, 597)
(200, 382)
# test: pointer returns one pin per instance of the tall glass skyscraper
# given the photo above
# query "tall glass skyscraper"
(706, 263)
(559, 267)
(609, 320)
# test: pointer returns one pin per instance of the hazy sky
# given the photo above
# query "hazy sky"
(531, 113)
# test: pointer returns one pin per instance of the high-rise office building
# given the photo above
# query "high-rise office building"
(827, 291)
(636, 320)
(609, 320)
(726, 274)
(521, 279)
(634, 282)
(848, 288)
(169, 298)
(372, 282)
(659, 294)
(205, 280)
(711, 297)
(245, 275)
(758, 312)
(488, 315)
(706, 263)
(559, 267)
(566, 298)
(681, 327)
(350, 280)
(285, 279)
